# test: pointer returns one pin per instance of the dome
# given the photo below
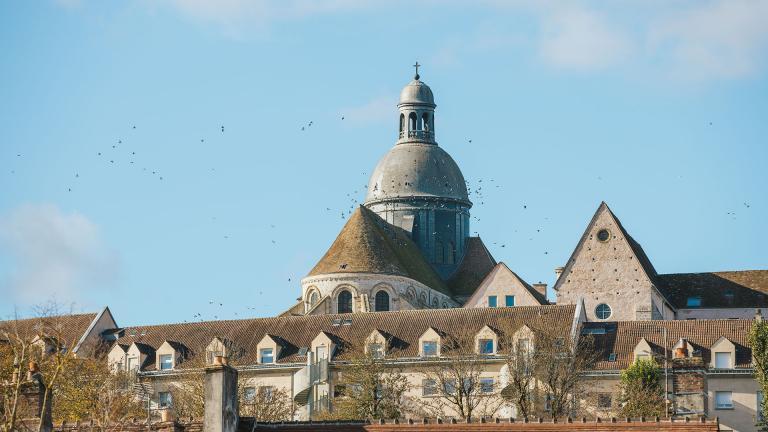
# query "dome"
(416, 92)
(417, 170)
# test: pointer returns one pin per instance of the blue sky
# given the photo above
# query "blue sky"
(658, 108)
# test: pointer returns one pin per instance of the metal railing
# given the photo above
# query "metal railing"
(418, 134)
(318, 372)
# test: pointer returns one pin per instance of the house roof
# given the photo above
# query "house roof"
(474, 267)
(69, 329)
(366, 245)
(298, 331)
(621, 338)
(737, 289)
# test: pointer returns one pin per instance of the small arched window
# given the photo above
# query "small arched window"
(425, 122)
(345, 302)
(382, 301)
(412, 121)
(439, 252)
(402, 122)
(450, 253)
(313, 298)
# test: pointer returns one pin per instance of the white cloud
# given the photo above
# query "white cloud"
(375, 110)
(719, 39)
(57, 256)
(581, 39)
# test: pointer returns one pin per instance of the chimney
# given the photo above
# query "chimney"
(221, 404)
(32, 394)
(558, 272)
(541, 287)
(758, 315)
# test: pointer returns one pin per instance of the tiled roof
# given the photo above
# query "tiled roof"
(622, 337)
(365, 245)
(474, 267)
(405, 327)
(741, 289)
(70, 328)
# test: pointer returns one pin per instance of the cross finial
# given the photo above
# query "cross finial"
(417, 70)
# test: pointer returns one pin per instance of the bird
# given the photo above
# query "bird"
(134, 126)
(222, 129)
(342, 117)
(302, 128)
(470, 141)
(202, 140)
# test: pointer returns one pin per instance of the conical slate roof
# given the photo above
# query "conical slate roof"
(364, 245)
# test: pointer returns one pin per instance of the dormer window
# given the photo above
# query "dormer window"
(166, 362)
(376, 350)
(722, 360)
(429, 348)
(133, 363)
(266, 356)
(485, 346)
(693, 302)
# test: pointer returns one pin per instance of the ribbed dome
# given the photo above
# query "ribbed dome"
(416, 170)
(416, 92)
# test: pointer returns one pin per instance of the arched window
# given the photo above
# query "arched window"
(425, 122)
(345, 302)
(313, 298)
(382, 301)
(402, 122)
(439, 252)
(450, 253)
(412, 121)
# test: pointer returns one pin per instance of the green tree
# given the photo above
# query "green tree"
(642, 393)
(758, 341)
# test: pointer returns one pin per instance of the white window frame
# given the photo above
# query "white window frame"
(430, 342)
(160, 397)
(720, 404)
(271, 355)
(164, 357)
(723, 354)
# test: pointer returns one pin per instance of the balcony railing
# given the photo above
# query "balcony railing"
(418, 134)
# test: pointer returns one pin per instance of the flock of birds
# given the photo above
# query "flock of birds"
(121, 151)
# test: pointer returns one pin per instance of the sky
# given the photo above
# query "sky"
(157, 157)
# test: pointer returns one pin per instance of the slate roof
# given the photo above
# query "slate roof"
(365, 245)
(298, 331)
(70, 328)
(622, 337)
(474, 267)
(738, 289)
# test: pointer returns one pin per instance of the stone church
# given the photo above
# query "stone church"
(409, 247)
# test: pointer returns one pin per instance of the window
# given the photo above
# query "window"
(166, 362)
(523, 346)
(376, 350)
(266, 355)
(412, 121)
(644, 357)
(249, 394)
(486, 385)
(723, 360)
(429, 348)
(428, 387)
(603, 311)
(485, 346)
(382, 301)
(603, 235)
(402, 122)
(449, 387)
(313, 298)
(612, 357)
(133, 363)
(491, 301)
(345, 302)
(693, 302)
(322, 352)
(723, 400)
(509, 301)
(266, 393)
(164, 399)
(604, 400)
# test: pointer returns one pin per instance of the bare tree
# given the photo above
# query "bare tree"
(559, 362)
(369, 388)
(267, 404)
(521, 383)
(455, 381)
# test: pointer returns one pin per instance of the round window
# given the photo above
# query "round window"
(603, 235)
(603, 311)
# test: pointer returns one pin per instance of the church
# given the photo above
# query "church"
(409, 247)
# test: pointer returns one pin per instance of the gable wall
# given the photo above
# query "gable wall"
(607, 272)
(501, 282)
